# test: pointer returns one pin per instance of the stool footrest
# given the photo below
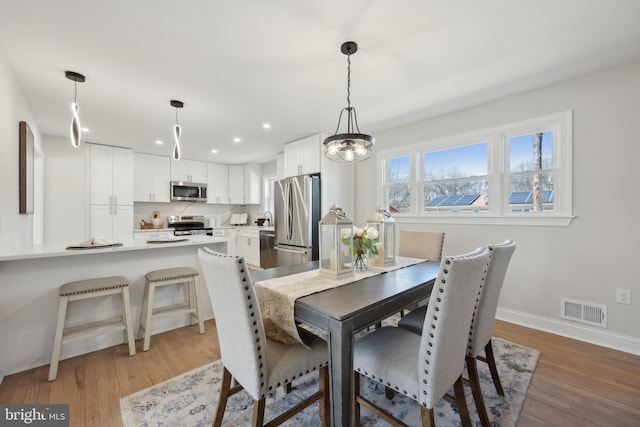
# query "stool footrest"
(93, 329)
(173, 310)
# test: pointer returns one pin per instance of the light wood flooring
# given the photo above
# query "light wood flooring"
(575, 383)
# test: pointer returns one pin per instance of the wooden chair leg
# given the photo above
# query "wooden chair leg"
(458, 388)
(258, 413)
(287, 388)
(325, 402)
(356, 404)
(428, 420)
(474, 382)
(225, 389)
(145, 304)
(491, 361)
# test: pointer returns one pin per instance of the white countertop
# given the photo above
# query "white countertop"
(58, 249)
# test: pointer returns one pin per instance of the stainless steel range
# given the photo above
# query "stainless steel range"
(188, 225)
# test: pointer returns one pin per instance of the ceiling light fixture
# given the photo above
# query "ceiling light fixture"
(236, 139)
(176, 129)
(75, 131)
(352, 146)
(266, 125)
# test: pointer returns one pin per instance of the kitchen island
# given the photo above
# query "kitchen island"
(31, 277)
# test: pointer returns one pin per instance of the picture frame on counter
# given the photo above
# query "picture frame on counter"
(26, 168)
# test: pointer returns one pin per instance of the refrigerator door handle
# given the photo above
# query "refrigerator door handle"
(289, 211)
(291, 251)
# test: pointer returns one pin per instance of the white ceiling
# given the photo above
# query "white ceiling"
(237, 64)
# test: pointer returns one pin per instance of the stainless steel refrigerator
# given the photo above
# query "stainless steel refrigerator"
(297, 212)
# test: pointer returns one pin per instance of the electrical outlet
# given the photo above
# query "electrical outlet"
(623, 296)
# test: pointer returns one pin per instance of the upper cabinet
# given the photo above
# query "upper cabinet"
(217, 183)
(302, 157)
(245, 184)
(280, 166)
(151, 178)
(189, 171)
(111, 175)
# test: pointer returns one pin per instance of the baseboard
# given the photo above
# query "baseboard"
(625, 343)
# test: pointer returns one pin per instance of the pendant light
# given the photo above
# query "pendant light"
(176, 130)
(351, 146)
(76, 130)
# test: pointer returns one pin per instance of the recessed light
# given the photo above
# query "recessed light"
(236, 139)
(85, 130)
(266, 125)
(214, 151)
(159, 142)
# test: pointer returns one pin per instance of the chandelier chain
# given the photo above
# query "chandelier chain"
(349, 81)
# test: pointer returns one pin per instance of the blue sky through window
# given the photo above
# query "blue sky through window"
(470, 160)
(521, 151)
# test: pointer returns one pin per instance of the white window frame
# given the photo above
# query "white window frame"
(497, 138)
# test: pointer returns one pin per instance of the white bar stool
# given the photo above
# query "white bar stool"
(92, 288)
(164, 277)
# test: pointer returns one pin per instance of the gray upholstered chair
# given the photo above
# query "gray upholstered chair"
(421, 244)
(482, 325)
(424, 367)
(257, 363)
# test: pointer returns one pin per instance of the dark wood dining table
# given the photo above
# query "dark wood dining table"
(341, 312)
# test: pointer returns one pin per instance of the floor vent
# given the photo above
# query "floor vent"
(585, 312)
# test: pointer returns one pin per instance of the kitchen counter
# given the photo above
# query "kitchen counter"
(30, 279)
(58, 249)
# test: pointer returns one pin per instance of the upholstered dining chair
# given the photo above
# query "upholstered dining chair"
(424, 367)
(421, 244)
(482, 324)
(257, 363)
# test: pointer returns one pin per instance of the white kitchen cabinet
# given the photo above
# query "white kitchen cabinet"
(189, 171)
(112, 222)
(232, 242)
(111, 177)
(302, 157)
(248, 246)
(252, 184)
(245, 184)
(151, 178)
(217, 183)
(236, 184)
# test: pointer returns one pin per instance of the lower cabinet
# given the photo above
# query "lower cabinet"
(245, 243)
(112, 222)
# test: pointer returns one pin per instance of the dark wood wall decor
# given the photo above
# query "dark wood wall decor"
(26, 169)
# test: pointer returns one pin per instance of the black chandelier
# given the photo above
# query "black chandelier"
(351, 146)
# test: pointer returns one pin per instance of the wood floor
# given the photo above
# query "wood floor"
(575, 384)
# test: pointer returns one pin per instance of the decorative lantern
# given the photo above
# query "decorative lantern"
(382, 221)
(336, 244)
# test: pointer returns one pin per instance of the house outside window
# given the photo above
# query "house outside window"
(517, 173)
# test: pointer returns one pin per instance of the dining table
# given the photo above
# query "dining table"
(339, 313)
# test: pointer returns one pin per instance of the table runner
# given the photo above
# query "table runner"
(277, 297)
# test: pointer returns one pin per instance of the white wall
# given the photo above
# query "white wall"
(16, 230)
(598, 251)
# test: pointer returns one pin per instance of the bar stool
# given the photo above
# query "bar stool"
(92, 288)
(164, 277)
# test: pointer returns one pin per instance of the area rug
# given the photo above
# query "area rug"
(191, 399)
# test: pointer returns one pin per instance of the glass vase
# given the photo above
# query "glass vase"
(360, 262)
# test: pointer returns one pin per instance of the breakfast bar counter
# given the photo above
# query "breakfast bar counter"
(30, 279)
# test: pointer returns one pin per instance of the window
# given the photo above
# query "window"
(398, 188)
(516, 173)
(455, 179)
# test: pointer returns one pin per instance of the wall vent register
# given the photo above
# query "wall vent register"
(584, 312)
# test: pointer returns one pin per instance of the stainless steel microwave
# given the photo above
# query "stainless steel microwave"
(188, 191)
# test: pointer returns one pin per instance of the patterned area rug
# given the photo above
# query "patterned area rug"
(191, 399)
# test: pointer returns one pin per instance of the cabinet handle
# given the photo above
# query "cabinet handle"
(115, 205)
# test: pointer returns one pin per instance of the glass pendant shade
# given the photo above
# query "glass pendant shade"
(382, 221)
(177, 130)
(352, 146)
(336, 244)
(75, 131)
(176, 138)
